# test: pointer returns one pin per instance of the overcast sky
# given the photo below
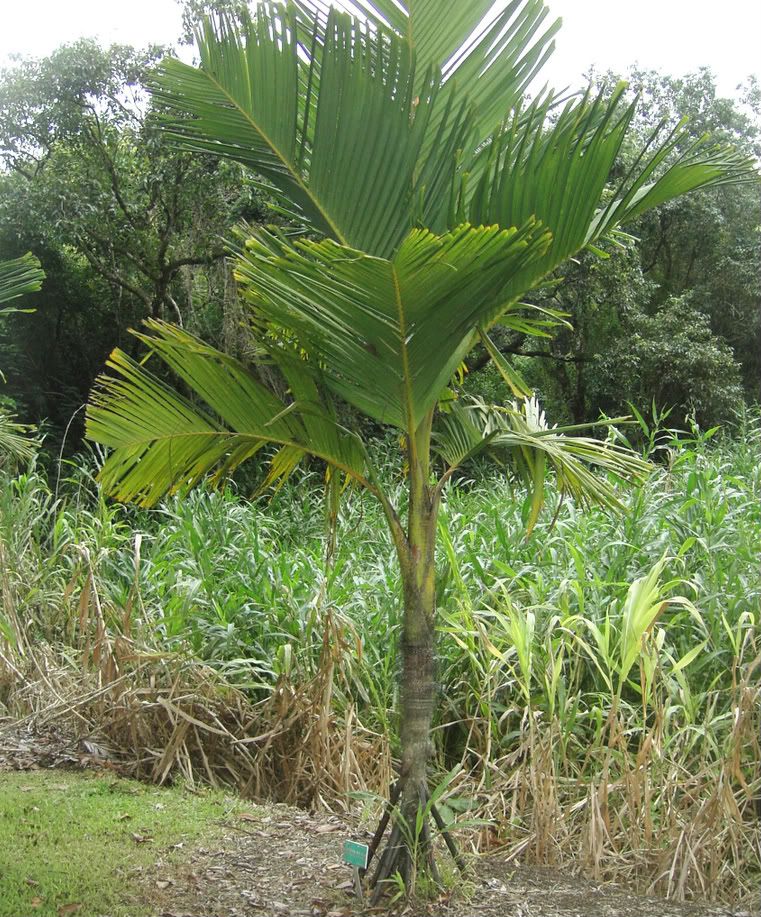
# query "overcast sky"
(674, 36)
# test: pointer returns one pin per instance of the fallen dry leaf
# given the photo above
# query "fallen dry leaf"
(247, 816)
(141, 838)
(65, 909)
(36, 902)
(326, 829)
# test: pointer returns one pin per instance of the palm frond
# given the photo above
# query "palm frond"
(311, 117)
(16, 446)
(510, 376)
(162, 441)
(560, 174)
(490, 54)
(18, 277)
(519, 435)
(387, 335)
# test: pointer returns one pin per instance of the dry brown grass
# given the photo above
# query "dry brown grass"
(636, 804)
(654, 826)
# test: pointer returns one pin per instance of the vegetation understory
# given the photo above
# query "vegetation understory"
(206, 642)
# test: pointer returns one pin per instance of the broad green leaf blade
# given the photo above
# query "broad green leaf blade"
(559, 171)
(386, 334)
(162, 441)
(501, 58)
(242, 103)
(674, 168)
(490, 52)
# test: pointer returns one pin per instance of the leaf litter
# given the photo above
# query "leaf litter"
(284, 862)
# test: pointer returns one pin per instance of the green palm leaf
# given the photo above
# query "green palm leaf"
(520, 435)
(15, 445)
(387, 334)
(490, 55)
(560, 173)
(18, 277)
(313, 126)
(162, 441)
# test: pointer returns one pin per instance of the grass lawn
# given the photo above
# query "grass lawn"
(78, 843)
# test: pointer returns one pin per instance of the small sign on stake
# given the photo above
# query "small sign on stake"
(356, 855)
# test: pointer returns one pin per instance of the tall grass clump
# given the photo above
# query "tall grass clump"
(598, 679)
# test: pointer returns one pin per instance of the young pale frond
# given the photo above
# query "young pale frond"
(162, 441)
(15, 444)
(334, 123)
(20, 276)
(387, 334)
(519, 435)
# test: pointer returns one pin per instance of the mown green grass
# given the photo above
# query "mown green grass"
(69, 838)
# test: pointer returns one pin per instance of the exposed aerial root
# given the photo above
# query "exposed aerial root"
(410, 845)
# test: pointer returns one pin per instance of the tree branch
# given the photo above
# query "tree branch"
(484, 359)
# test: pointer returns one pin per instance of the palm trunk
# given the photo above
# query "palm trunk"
(409, 849)
(416, 551)
(418, 661)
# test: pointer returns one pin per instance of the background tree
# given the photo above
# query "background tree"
(125, 226)
(430, 206)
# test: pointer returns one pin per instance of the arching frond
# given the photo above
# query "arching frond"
(162, 441)
(491, 53)
(519, 435)
(15, 442)
(18, 277)
(560, 173)
(335, 124)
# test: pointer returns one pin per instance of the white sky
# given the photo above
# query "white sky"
(674, 36)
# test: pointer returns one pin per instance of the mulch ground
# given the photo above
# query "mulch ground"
(277, 861)
(287, 863)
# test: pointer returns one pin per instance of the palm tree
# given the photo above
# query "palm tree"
(430, 198)
(17, 277)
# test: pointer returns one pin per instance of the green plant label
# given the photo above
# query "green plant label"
(356, 854)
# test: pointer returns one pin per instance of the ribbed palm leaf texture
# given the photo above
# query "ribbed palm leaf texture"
(17, 278)
(424, 200)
